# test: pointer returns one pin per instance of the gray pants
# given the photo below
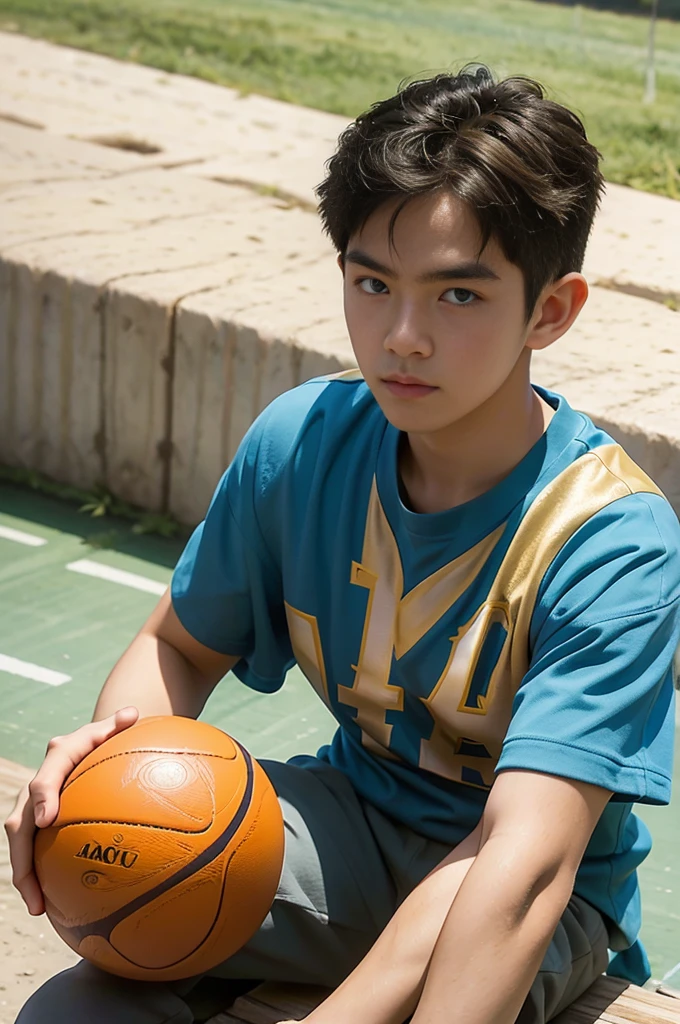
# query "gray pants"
(347, 867)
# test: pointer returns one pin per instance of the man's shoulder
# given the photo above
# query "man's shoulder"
(596, 474)
(327, 401)
(611, 538)
(623, 557)
(311, 425)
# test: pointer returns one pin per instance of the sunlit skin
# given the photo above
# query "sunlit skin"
(441, 335)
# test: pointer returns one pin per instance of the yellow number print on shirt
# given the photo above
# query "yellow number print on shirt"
(470, 712)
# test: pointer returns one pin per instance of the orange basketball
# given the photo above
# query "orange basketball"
(167, 851)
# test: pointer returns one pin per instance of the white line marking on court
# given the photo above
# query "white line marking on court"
(127, 579)
(670, 974)
(30, 671)
(20, 537)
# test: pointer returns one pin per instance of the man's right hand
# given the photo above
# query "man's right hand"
(38, 803)
(168, 672)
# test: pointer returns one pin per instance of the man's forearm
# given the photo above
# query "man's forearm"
(390, 978)
(156, 678)
(492, 942)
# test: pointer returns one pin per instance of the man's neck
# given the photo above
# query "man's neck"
(440, 471)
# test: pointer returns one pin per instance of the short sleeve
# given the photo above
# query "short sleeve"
(597, 703)
(227, 588)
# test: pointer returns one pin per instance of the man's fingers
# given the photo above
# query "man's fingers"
(20, 832)
(122, 719)
(38, 803)
(31, 893)
(63, 754)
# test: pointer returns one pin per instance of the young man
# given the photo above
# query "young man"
(480, 584)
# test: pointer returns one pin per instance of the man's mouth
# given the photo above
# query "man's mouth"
(405, 386)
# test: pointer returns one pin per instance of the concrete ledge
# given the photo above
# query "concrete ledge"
(635, 245)
(121, 292)
(148, 313)
(212, 132)
(206, 130)
(620, 363)
(228, 368)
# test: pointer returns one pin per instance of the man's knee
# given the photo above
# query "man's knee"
(84, 994)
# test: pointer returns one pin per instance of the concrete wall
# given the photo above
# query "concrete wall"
(146, 379)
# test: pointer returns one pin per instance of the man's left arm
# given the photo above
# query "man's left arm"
(474, 932)
(535, 830)
(596, 703)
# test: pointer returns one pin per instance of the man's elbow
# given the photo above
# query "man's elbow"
(533, 884)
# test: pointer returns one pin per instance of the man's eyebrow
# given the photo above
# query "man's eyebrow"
(470, 270)
(364, 260)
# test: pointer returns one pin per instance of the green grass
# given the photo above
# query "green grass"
(341, 55)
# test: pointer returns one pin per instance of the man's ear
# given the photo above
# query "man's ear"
(558, 306)
(341, 263)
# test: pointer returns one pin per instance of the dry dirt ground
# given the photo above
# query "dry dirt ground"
(30, 950)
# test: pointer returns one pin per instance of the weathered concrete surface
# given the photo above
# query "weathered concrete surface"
(225, 338)
(217, 133)
(30, 949)
(29, 158)
(620, 363)
(635, 245)
(148, 313)
(91, 274)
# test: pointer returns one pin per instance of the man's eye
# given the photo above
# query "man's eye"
(459, 296)
(372, 285)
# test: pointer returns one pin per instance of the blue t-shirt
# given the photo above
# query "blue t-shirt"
(533, 627)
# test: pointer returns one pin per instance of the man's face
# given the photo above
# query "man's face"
(437, 329)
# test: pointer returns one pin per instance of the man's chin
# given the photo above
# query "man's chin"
(415, 421)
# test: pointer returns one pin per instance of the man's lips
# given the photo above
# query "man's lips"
(407, 387)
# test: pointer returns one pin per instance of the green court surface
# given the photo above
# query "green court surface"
(63, 630)
(78, 625)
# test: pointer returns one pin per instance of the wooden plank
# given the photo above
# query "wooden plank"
(593, 1003)
(666, 990)
(608, 1001)
(273, 1002)
(613, 1001)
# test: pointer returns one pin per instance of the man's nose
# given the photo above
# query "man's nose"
(408, 334)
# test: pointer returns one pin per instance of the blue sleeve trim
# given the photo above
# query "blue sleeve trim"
(660, 606)
(570, 761)
(245, 674)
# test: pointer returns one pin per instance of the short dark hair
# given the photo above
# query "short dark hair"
(522, 162)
